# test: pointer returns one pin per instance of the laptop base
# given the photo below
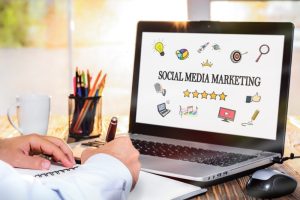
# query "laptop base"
(220, 180)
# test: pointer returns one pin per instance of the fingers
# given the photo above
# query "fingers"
(32, 162)
(41, 145)
(63, 146)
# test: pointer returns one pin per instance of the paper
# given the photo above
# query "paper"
(151, 186)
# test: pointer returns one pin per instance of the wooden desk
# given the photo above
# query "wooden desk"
(230, 190)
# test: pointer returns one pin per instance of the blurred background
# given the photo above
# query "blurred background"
(42, 42)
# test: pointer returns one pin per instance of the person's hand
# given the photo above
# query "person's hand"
(23, 151)
(122, 149)
(256, 98)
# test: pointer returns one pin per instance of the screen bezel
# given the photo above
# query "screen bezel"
(257, 28)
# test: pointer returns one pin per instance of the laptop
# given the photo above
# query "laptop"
(227, 85)
(162, 109)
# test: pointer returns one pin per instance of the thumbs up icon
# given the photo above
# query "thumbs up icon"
(254, 98)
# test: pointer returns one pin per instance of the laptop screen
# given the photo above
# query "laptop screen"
(212, 82)
(161, 107)
(221, 83)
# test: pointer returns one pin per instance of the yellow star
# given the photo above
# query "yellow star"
(222, 96)
(204, 95)
(195, 94)
(186, 93)
(213, 95)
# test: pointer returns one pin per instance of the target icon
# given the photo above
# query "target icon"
(236, 56)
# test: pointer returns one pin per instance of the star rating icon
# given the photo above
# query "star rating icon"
(204, 95)
(213, 95)
(186, 93)
(222, 96)
(195, 94)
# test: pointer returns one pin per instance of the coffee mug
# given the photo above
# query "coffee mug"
(32, 114)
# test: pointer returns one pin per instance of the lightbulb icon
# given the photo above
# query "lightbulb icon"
(159, 47)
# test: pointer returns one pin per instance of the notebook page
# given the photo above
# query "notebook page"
(148, 187)
(151, 186)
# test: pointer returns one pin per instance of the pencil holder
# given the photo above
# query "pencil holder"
(85, 117)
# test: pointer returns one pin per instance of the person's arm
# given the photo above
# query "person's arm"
(101, 177)
(14, 186)
(108, 172)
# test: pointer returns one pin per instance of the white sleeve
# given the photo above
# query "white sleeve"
(101, 177)
(14, 186)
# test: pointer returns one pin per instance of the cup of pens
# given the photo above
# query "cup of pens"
(85, 107)
(85, 122)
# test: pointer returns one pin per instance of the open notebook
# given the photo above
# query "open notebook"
(146, 188)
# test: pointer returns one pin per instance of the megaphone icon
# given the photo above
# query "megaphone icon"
(159, 89)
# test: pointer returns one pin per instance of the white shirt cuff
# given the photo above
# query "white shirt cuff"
(114, 166)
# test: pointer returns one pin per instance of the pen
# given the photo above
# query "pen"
(111, 131)
(82, 84)
(79, 93)
(88, 81)
(74, 85)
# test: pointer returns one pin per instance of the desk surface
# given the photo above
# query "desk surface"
(230, 190)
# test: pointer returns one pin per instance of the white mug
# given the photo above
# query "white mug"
(32, 114)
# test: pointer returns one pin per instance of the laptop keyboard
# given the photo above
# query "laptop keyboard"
(191, 154)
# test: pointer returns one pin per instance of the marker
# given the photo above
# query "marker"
(111, 131)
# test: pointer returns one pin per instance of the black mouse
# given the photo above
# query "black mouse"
(267, 183)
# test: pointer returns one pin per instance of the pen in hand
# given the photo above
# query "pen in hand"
(111, 131)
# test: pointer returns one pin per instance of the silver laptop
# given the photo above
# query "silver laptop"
(209, 99)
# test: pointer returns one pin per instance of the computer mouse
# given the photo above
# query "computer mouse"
(268, 183)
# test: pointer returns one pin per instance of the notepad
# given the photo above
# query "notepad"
(151, 186)
(148, 187)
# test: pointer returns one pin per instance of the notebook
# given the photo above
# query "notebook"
(145, 189)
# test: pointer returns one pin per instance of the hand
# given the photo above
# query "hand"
(256, 98)
(122, 149)
(23, 151)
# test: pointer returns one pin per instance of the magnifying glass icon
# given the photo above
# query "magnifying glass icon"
(263, 50)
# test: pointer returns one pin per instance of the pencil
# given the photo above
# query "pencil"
(101, 86)
(254, 115)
